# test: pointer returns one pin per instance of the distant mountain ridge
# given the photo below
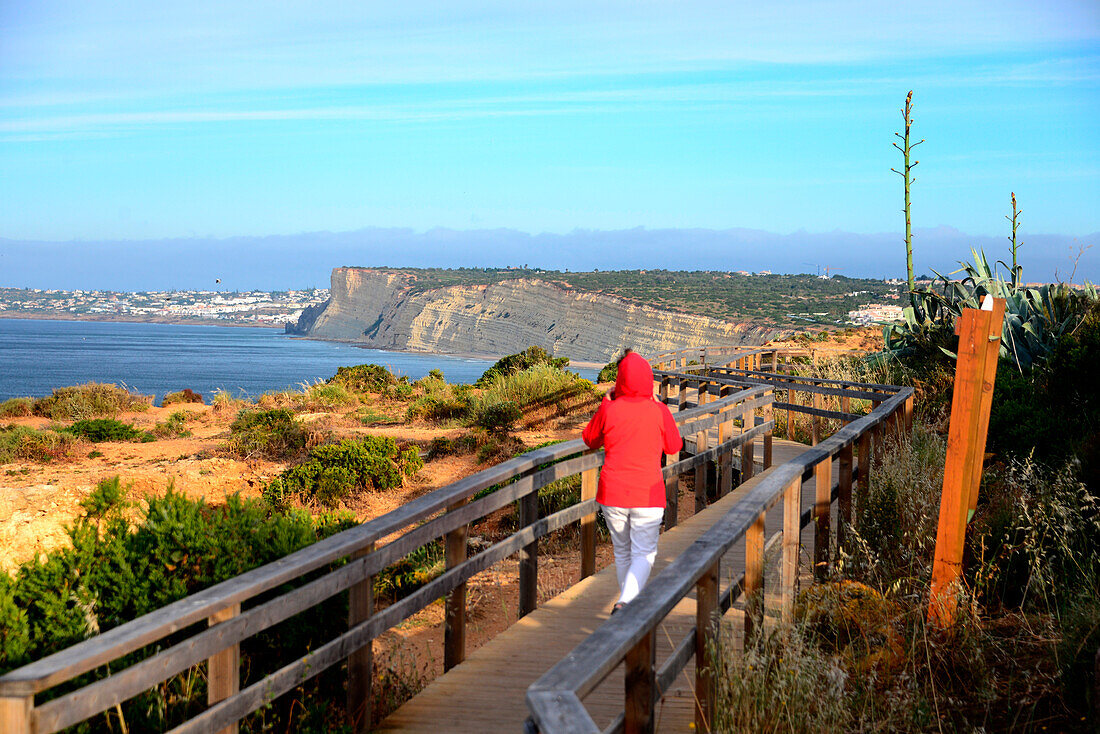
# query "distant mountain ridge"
(305, 260)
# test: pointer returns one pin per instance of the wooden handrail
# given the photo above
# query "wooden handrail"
(437, 514)
(555, 699)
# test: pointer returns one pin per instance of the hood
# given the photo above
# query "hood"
(635, 378)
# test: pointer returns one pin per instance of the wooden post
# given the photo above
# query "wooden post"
(454, 629)
(909, 414)
(964, 456)
(845, 407)
(864, 465)
(844, 497)
(529, 556)
(876, 433)
(701, 471)
(769, 415)
(590, 479)
(361, 661)
(16, 714)
(823, 501)
(748, 422)
(815, 420)
(775, 360)
(792, 531)
(223, 669)
(641, 685)
(725, 430)
(754, 579)
(706, 633)
(664, 390)
(672, 500)
(989, 380)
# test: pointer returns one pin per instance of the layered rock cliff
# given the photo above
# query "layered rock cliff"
(385, 309)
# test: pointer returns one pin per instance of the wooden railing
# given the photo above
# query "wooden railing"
(244, 606)
(629, 638)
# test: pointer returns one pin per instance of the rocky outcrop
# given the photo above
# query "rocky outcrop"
(385, 309)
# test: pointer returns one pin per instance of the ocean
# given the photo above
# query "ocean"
(153, 359)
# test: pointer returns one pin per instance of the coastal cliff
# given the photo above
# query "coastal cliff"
(386, 309)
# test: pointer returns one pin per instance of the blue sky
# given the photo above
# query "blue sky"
(138, 120)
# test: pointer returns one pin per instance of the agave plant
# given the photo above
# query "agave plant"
(1035, 318)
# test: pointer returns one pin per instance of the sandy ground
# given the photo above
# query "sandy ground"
(38, 501)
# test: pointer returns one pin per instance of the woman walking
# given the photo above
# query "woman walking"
(634, 428)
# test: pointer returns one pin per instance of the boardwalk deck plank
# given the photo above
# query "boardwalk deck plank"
(486, 692)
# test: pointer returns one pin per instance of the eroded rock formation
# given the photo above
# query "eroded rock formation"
(385, 309)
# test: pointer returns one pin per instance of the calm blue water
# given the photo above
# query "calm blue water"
(37, 356)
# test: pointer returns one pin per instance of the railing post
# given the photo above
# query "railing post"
(823, 500)
(528, 555)
(454, 629)
(361, 661)
(909, 414)
(706, 634)
(672, 498)
(641, 685)
(754, 579)
(725, 470)
(844, 497)
(590, 479)
(792, 531)
(769, 416)
(864, 465)
(748, 422)
(16, 714)
(815, 420)
(223, 669)
(701, 471)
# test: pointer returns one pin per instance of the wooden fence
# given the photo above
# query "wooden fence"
(629, 638)
(729, 394)
(241, 607)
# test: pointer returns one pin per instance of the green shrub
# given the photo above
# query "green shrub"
(186, 395)
(272, 434)
(436, 409)
(29, 444)
(100, 430)
(174, 426)
(364, 378)
(326, 396)
(609, 372)
(332, 472)
(497, 417)
(115, 571)
(525, 360)
(410, 573)
(17, 408)
(399, 391)
(91, 400)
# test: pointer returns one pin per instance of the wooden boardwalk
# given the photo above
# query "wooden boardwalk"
(485, 694)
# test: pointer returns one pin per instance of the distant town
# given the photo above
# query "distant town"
(249, 308)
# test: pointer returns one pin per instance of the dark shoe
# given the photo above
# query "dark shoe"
(617, 607)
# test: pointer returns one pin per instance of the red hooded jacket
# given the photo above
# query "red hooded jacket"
(634, 428)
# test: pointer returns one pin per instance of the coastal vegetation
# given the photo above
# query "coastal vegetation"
(128, 553)
(91, 400)
(861, 655)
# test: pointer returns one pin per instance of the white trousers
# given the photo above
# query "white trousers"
(634, 533)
